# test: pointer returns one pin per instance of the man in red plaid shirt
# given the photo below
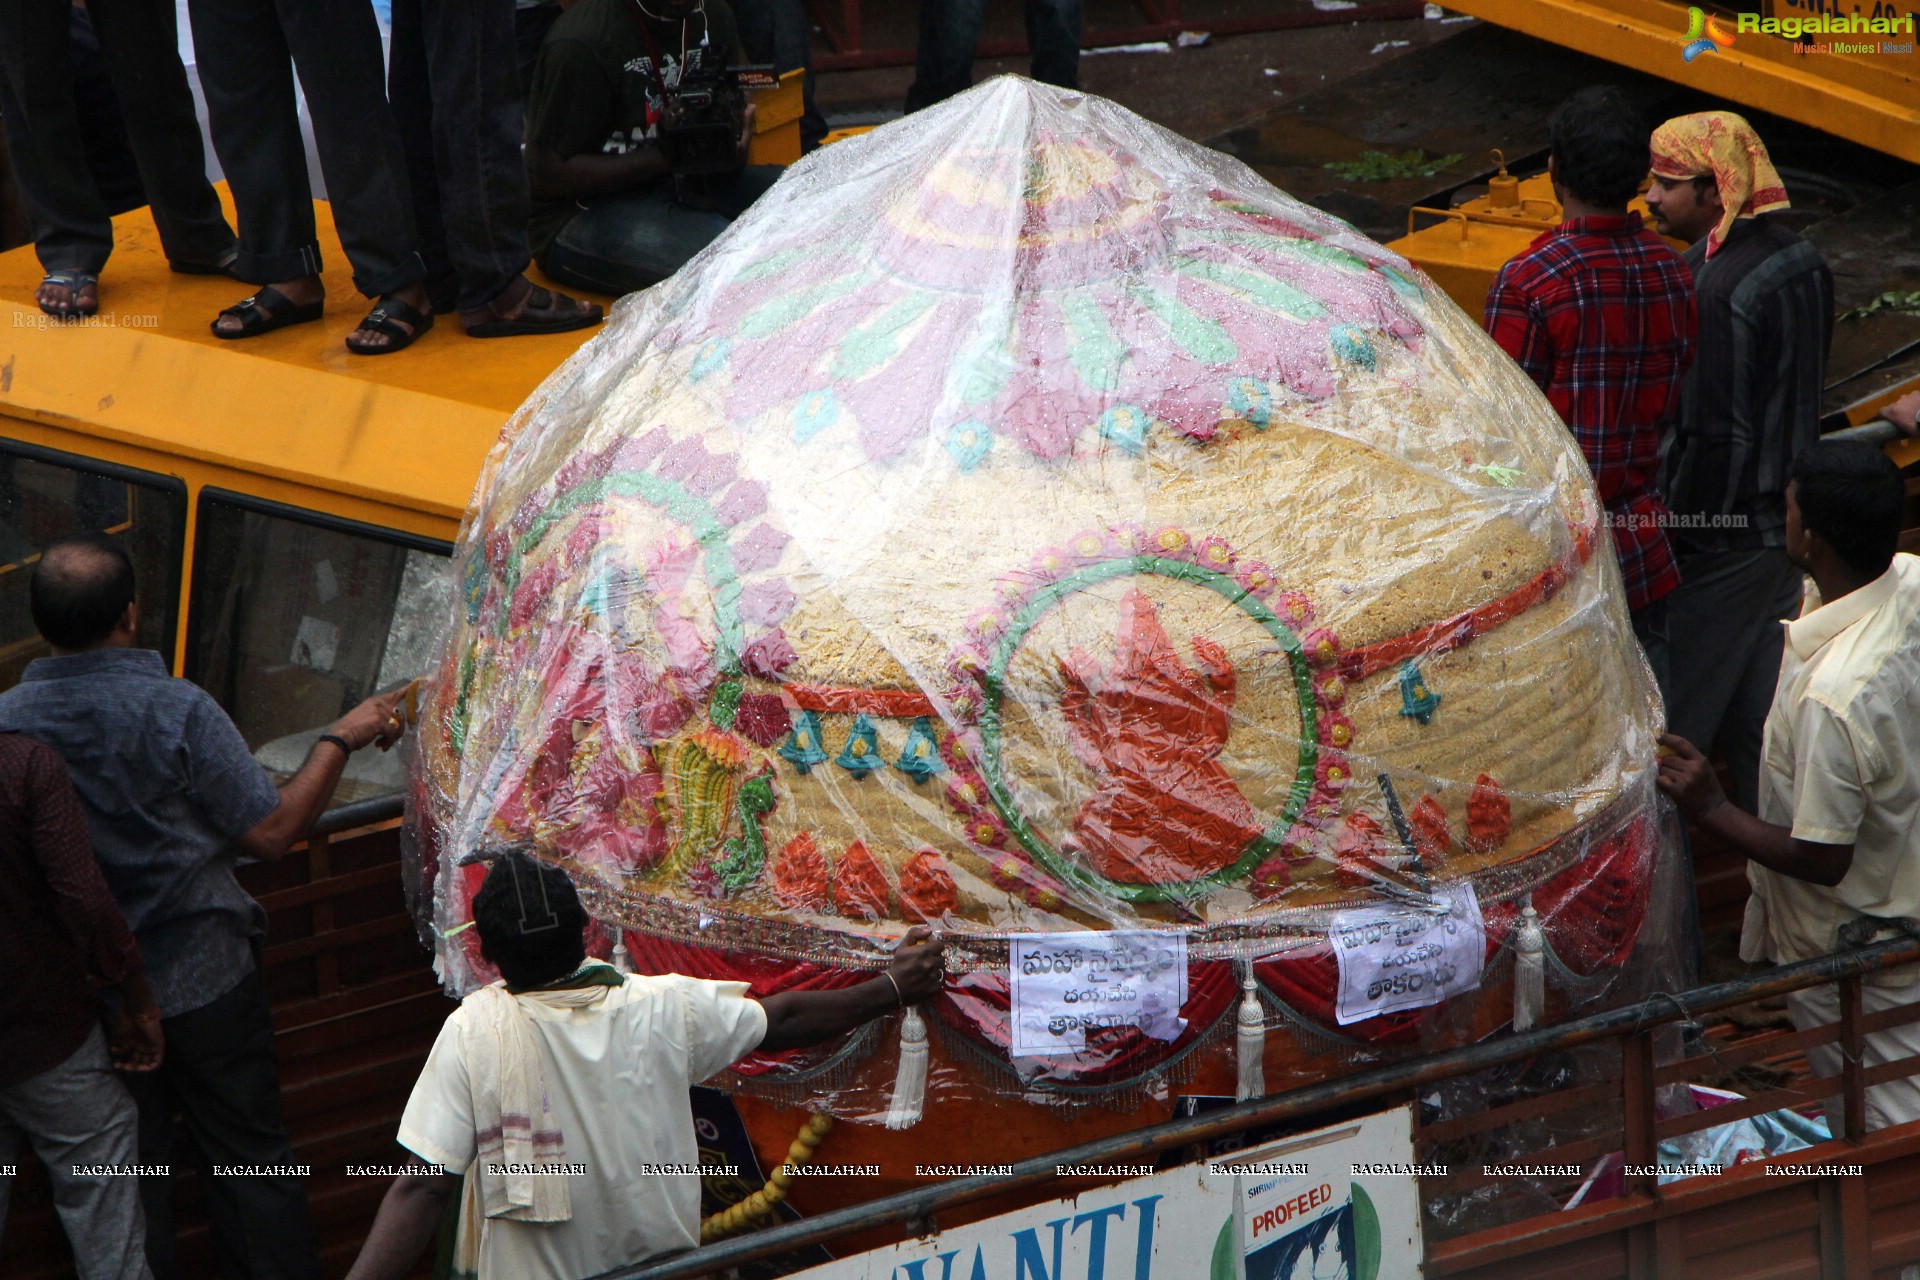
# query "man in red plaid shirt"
(1599, 312)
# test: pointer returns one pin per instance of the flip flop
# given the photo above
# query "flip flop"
(400, 322)
(540, 312)
(266, 311)
(73, 282)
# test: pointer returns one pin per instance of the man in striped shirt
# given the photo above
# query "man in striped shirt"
(1750, 404)
(1599, 312)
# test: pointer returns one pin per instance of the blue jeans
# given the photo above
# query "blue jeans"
(950, 30)
(623, 243)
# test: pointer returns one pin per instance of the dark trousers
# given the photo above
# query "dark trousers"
(71, 226)
(221, 1073)
(950, 31)
(453, 75)
(780, 32)
(622, 243)
(248, 51)
(1726, 640)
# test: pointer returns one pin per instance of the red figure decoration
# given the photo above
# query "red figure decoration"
(800, 875)
(1430, 835)
(1151, 730)
(927, 890)
(859, 886)
(1357, 852)
(1489, 815)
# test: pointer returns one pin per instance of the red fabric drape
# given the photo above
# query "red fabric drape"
(1592, 911)
(1592, 914)
(978, 1004)
(764, 976)
(1308, 981)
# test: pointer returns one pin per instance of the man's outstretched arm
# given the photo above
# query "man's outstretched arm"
(796, 1018)
(1689, 779)
(408, 1218)
(304, 796)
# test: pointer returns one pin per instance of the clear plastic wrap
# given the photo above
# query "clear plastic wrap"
(1025, 520)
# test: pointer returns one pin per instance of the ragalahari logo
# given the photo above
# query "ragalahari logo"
(1703, 35)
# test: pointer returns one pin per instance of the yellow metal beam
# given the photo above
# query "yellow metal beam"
(291, 415)
(1871, 99)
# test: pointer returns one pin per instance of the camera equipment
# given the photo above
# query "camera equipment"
(705, 115)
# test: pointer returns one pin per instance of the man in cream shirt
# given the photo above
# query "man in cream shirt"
(560, 1093)
(1836, 846)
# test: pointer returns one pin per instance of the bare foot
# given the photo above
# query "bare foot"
(301, 292)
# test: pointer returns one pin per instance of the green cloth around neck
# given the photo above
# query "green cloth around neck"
(591, 974)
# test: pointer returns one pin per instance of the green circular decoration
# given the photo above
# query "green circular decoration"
(1366, 1235)
(993, 687)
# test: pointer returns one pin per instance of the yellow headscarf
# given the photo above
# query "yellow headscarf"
(1724, 145)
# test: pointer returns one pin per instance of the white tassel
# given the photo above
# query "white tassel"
(1529, 970)
(1250, 1043)
(910, 1086)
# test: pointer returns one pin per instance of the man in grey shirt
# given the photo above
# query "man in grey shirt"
(172, 798)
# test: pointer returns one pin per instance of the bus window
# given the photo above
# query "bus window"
(296, 616)
(46, 495)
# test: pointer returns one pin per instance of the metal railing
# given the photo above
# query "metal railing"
(1631, 1025)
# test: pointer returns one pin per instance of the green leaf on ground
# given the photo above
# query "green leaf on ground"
(1385, 166)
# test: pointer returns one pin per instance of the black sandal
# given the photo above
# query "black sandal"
(402, 323)
(266, 311)
(538, 311)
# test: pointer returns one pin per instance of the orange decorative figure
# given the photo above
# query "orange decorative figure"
(1489, 815)
(860, 889)
(800, 875)
(927, 890)
(1431, 838)
(1151, 730)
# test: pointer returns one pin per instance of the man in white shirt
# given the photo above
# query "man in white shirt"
(566, 1063)
(1836, 845)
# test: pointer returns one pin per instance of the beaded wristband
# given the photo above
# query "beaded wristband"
(337, 741)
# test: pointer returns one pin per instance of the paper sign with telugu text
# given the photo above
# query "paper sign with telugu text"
(1065, 984)
(1403, 957)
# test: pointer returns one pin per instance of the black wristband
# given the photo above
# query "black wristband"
(337, 741)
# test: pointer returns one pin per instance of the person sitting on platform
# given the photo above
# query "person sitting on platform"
(1599, 312)
(1834, 853)
(565, 1061)
(610, 214)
